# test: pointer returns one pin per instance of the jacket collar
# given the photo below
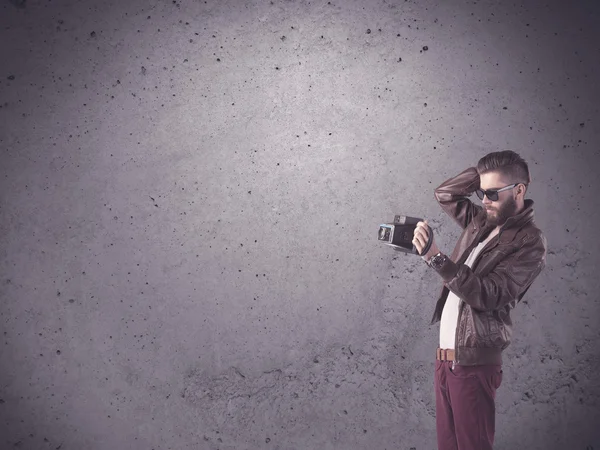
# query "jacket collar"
(513, 224)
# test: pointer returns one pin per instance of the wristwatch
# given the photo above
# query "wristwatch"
(437, 261)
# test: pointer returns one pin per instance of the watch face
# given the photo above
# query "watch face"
(437, 261)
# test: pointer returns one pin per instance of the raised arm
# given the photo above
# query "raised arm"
(452, 195)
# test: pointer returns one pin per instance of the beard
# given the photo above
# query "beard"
(499, 215)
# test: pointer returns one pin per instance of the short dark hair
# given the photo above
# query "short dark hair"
(509, 164)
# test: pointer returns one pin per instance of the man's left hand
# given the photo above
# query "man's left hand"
(421, 237)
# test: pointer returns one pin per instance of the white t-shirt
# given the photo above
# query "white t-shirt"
(450, 313)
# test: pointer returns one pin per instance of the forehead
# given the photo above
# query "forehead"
(491, 180)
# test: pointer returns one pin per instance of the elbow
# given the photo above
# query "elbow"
(438, 195)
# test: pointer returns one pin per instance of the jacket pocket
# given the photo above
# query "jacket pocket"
(482, 329)
(493, 325)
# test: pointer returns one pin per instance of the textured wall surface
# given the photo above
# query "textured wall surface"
(190, 194)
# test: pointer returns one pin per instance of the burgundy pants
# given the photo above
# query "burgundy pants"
(465, 405)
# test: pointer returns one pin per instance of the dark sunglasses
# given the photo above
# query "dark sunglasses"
(493, 194)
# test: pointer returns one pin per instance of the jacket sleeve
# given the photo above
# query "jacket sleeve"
(507, 282)
(452, 195)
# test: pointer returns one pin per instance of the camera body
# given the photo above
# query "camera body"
(400, 233)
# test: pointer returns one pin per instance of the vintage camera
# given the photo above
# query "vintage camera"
(400, 234)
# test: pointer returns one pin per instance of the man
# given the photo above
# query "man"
(498, 256)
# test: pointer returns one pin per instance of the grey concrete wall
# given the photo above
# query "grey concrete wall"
(190, 194)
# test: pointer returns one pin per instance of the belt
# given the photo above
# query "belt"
(444, 354)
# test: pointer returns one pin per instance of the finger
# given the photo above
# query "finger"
(419, 247)
(417, 244)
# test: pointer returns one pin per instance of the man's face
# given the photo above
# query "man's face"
(505, 207)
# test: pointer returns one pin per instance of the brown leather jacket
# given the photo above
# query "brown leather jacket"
(500, 275)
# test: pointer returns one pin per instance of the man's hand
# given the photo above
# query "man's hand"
(421, 236)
